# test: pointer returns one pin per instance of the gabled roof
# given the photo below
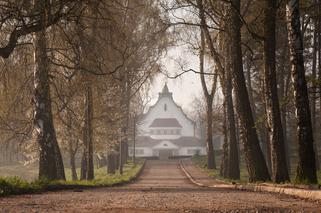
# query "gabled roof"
(165, 92)
(165, 122)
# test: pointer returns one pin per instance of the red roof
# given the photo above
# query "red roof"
(165, 122)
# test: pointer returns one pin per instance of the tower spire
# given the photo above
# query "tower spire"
(165, 89)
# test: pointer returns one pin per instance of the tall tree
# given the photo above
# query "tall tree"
(233, 151)
(88, 158)
(209, 97)
(50, 159)
(306, 170)
(253, 154)
(279, 165)
(314, 88)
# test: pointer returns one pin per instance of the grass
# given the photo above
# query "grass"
(16, 185)
(201, 161)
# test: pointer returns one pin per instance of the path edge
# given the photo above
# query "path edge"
(301, 193)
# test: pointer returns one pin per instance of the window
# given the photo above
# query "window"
(151, 131)
(158, 132)
(165, 132)
(178, 131)
(165, 107)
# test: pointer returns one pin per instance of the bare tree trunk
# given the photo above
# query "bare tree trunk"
(233, 153)
(83, 171)
(72, 147)
(254, 157)
(279, 166)
(249, 85)
(284, 78)
(73, 166)
(319, 78)
(211, 164)
(268, 151)
(224, 160)
(128, 94)
(306, 171)
(50, 159)
(88, 132)
(111, 164)
(314, 91)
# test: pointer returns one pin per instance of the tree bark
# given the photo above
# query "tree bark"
(306, 170)
(314, 90)
(233, 165)
(83, 171)
(50, 159)
(72, 147)
(284, 78)
(111, 164)
(224, 160)
(254, 157)
(233, 155)
(88, 132)
(73, 166)
(278, 157)
(211, 164)
(319, 79)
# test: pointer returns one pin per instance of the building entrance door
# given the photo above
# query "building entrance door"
(164, 154)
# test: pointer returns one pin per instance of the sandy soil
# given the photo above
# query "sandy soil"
(162, 187)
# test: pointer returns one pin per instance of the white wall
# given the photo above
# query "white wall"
(184, 150)
(148, 152)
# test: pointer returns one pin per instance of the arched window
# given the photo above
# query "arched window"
(165, 107)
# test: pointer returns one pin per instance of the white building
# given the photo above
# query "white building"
(165, 131)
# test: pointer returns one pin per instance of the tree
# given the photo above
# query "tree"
(306, 170)
(254, 157)
(50, 160)
(233, 170)
(209, 96)
(19, 19)
(279, 165)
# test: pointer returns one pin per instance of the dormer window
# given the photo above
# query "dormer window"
(165, 107)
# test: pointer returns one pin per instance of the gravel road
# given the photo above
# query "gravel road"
(162, 187)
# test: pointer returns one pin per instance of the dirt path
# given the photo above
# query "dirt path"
(162, 187)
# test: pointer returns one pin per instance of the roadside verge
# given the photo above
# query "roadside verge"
(313, 194)
(16, 186)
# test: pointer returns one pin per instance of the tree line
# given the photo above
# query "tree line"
(87, 64)
(262, 58)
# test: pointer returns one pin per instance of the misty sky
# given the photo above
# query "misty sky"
(185, 87)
